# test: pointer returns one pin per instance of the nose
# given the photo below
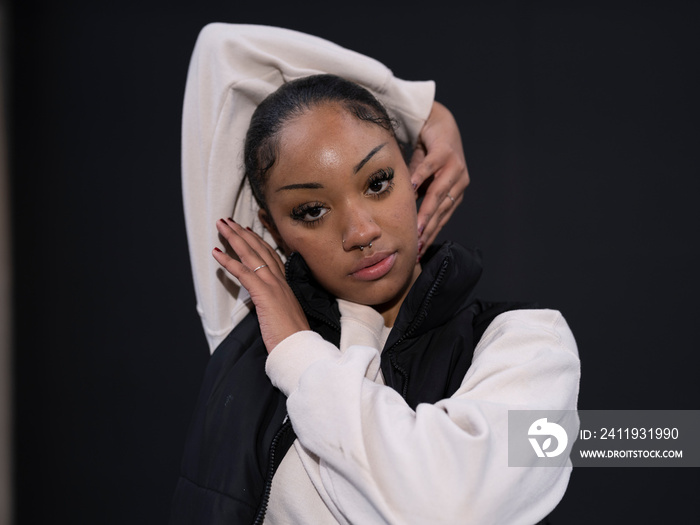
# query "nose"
(360, 228)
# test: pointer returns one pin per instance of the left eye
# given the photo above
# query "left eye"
(378, 186)
(380, 182)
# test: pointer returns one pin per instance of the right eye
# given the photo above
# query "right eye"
(309, 213)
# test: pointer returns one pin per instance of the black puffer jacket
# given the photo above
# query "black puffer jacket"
(240, 433)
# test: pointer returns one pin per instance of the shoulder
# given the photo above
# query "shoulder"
(528, 327)
(529, 357)
(242, 352)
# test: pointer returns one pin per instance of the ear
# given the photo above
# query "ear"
(269, 224)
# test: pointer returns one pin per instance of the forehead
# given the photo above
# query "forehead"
(327, 137)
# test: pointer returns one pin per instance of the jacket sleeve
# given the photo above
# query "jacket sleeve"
(232, 69)
(382, 462)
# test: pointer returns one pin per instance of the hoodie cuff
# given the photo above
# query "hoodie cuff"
(290, 358)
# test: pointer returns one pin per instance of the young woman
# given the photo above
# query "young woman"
(385, 394)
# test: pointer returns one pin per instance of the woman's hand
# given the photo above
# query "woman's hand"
(439, 154)
(261, 272)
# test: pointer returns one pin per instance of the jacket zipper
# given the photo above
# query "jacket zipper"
(418, 320)
(286, 427)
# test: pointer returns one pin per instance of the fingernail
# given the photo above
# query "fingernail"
(248, 228)
(414, 186)
(420, 229)
(420, 246)
(217, 250)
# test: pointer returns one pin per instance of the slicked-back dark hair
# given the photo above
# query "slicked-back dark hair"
(292, 99)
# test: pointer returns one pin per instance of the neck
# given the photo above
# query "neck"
(390, 309)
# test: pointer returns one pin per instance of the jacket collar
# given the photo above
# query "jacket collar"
(317, 303)
(445, 285)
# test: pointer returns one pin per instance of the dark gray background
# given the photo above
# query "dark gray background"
(580, 125)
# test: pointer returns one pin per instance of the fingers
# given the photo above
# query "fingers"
(451, 179)
(444, 161)
(424, 164)
(252, 252)
(437, 221)
(261, 272)
(419, 169)
(270, 250)
(444, 194)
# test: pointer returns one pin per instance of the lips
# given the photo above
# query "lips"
(374, 267)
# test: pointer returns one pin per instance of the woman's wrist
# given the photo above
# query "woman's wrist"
(293, 355)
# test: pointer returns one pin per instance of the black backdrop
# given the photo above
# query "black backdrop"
(580, 125)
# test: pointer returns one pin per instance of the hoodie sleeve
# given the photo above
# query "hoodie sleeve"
(232, 69)
(382, 462)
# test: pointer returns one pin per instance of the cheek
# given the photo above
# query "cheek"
(404, 216)
(310, 243)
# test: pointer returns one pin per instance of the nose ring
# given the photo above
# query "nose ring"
(362, 247)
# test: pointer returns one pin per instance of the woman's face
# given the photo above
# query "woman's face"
(338, 184)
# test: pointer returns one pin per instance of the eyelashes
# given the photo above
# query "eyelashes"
(380, 182)
(310, 213)
(379, 185)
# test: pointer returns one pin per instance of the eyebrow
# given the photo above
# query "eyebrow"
(302, 186)
(366, 159)
(317, 185)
